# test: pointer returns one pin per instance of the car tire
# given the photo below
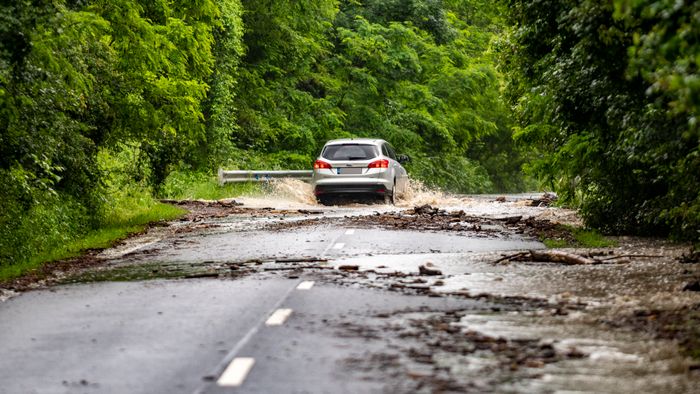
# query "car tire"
(390, 195)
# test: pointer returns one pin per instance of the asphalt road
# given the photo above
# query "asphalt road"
(179, 336)
(277, 314)
(185, 336)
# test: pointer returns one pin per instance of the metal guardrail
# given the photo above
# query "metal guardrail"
(261, 176)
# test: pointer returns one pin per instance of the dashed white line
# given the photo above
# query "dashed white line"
(236, 372)
(278, 317)
(330, 245)
(305, 285)
(226, 362)
(339, 245)
(350, 232)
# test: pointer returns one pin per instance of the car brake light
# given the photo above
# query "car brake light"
(383, 163)
(319, 164)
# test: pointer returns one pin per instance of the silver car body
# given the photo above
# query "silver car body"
(355, 166)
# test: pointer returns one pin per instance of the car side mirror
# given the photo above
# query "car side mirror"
(403, 159)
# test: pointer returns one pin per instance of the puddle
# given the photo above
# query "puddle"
(612, 361)
(520, 352)
(619, 286)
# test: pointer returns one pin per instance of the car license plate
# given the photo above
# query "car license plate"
(349, 170)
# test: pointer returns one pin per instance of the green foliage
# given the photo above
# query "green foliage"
(59, 226)
(83, 79)
(63, 237)
(580, 238)
(105, 102)
(184, 185)
(606, 92)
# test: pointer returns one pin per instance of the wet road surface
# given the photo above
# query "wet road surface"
(332, 307)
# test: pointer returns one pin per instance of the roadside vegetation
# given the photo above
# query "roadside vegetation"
(607, 94)
(576, 237)
(108, 105)
(188, 185)
(101, 97)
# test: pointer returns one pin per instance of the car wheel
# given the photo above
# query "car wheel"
(390, 195)
(323, 200)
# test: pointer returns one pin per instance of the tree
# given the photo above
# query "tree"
(604, 92)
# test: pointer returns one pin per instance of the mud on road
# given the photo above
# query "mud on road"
(623, 326)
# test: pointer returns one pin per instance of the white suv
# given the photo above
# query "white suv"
(359, 166)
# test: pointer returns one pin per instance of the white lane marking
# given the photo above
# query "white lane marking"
(278, 317)
(350, 232)
(305, 285)
(330, 245)
(339, 245)
(236, 372)
(242, 342)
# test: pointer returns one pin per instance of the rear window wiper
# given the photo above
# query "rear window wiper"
(357, 158)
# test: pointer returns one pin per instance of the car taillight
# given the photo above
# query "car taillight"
(383, 163)
(319, 164)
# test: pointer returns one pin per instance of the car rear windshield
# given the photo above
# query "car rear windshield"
(349, 152)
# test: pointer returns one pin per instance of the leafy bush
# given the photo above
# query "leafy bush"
(606, 93)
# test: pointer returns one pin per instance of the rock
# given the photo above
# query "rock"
(425, 210)
(501, 199)
(201, 275)
(546, 200)
(692, 286)
(423, 270)
(693, 257)
(349, 267)
(512, 219)
(310, 212)
(534, 363)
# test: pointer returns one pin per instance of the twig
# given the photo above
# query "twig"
(301, 260)
(509, 257)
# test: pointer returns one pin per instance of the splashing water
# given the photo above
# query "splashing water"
(417, 193)
(294, 190)
(281, 193)
(294, 193)
(286, 193)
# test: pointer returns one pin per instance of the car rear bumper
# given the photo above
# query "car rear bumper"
(352, 186)
(350, 189)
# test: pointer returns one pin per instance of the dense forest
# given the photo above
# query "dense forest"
(607, 93)
(105, 104)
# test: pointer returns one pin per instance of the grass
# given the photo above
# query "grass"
(580, 238)
(132, 215)
(195, 186)
(55, 231)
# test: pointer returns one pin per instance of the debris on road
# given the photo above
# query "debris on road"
(692, 286)
(546, 200)
(424, 270)
(557, 256)
(435, 343)
(300, 260)
(692, 257)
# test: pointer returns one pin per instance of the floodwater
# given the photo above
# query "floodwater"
(621, 360)
(296, 194)
(568, 304)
